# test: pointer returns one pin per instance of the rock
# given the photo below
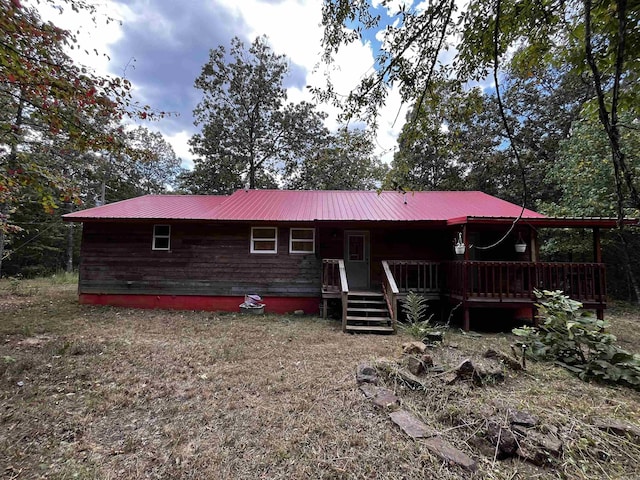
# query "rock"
(437, 369)
(525, 419)
(413, 348)
(467, 371)
(386, 400)
(298, 312)
(410, 424)
(495, 375)
(483, 445)
(427, 360)
(539, 448)
(433, 337)
(503, 438)
(449, 453)
(415, 366)
(380, 397)
(510, 362)
(616, 427)
(366, 374)
(369, 390)
(409, 378)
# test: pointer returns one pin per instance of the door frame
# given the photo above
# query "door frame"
(366, 254)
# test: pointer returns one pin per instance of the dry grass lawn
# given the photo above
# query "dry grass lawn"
(96, 392)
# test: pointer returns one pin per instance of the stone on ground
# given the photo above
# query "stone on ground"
(413, 348)
(410, 425)
(449, 453)
(366, 374)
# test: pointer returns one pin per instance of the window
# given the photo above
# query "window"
(302, 240)
(264, 240)
(161, 237)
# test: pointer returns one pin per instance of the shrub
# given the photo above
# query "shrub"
(415, 309)
(579, 342)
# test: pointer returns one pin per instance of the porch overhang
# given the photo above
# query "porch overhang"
(547, 222)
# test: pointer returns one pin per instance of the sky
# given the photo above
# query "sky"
(161, 46)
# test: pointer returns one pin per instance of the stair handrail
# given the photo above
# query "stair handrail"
(344, 288)
(390, 291)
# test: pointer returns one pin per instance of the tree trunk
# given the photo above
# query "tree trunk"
(69, 268)
(609, 119)
(13, 156)
(1, 243)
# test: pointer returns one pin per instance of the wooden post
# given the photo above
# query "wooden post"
(465, 240)
(534, 244)
(466, 320)
(465, 281)
(597, 250)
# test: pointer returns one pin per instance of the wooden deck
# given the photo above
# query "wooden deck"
(473, 283)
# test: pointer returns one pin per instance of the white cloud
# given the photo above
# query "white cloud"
(180, 143)
(292, 26)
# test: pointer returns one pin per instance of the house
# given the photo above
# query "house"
(301, 250)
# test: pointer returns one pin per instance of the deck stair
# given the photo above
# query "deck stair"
(367, 312)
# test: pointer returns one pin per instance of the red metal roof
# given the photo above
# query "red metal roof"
(284, 205)
(307, 206)
(153, 207)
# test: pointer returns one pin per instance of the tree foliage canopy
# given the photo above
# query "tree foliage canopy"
(249, 130)
(599, 42)
(346, 162)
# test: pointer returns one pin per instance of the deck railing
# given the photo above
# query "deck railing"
(584, 282)
(331, 275)
(415, 275)
(334, 280)
(390, 291)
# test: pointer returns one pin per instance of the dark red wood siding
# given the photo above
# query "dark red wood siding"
(390, 242)
(205, 259)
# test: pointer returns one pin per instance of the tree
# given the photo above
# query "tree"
(43, 90)
(45, 97)
(155, 167)
(586, 180)
(249, 131)
(431, 146)
(347, 162)
(605, 36)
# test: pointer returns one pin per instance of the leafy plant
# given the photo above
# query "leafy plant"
(415, 309)
(579, 342)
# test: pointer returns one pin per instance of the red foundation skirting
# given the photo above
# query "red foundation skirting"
(196, 302)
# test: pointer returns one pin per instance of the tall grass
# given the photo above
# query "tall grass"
(63, 278)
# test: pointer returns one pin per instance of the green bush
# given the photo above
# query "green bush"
(579, 342)
(415, 309)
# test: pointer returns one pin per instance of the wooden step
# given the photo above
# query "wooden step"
(365, 294)
(355, 318)
(368, 328)
(376, 302)
(368, 310)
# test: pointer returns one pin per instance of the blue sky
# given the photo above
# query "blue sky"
(161, 46)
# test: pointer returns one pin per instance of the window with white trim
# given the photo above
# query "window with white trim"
(302, 240)
(161, 237)
(264, 240)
